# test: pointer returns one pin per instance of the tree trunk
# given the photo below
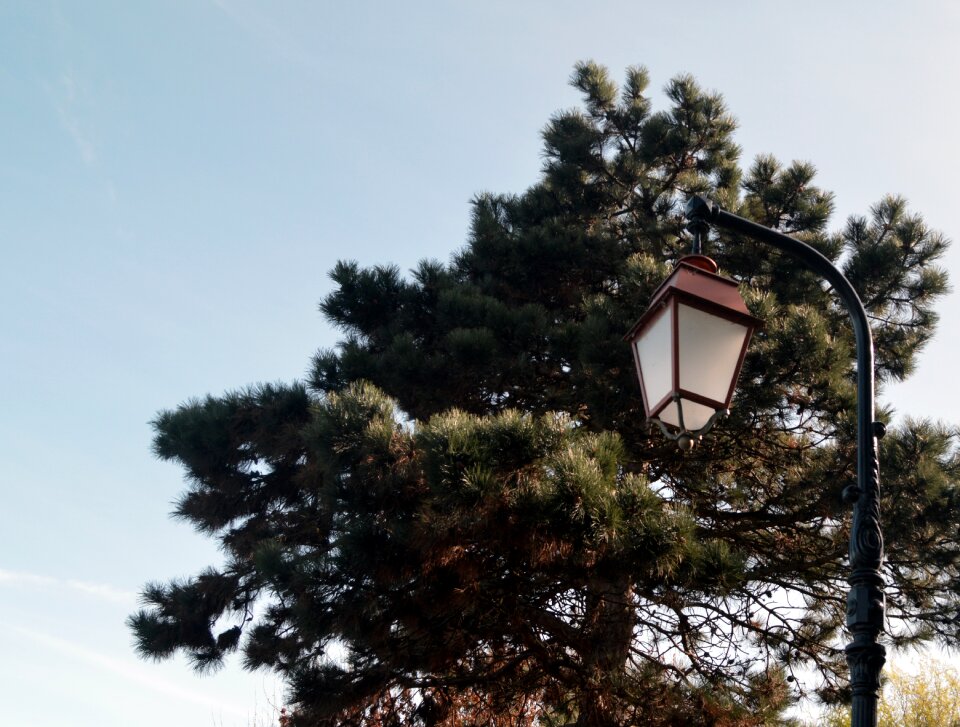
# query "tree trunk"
(608, 632)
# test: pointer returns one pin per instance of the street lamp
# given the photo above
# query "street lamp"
(660, 347)
(688, 349)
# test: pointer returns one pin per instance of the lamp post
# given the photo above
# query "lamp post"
(865, 602)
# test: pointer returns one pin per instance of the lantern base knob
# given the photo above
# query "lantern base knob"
(688, 440)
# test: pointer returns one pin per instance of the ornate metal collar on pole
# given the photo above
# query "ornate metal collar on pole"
(865, 602)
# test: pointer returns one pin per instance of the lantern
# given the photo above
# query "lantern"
(688, 348)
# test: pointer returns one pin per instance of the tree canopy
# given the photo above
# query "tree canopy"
(461, 517)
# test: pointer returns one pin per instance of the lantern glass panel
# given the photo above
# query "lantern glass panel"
(695, 416)
(655, 354)
(709, 349)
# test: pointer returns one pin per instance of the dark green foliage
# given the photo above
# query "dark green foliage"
(462, 517)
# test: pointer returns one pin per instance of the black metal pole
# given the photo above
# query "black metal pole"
(866, 601)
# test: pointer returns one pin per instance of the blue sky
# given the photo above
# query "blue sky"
(176, 178)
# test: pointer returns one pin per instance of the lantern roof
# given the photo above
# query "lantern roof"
(695, 278)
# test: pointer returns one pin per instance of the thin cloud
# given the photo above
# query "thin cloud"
(66, 99)
(72, 104)
(25, 579)
(129, 670)
(101, 591)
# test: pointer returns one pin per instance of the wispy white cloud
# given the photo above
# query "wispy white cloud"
(28, 579)
(67, 96)
(71, 95)
(126, 669)
(103, 591)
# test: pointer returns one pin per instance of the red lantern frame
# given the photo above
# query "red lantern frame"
(694, 283)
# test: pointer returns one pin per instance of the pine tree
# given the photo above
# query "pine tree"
(461, 517)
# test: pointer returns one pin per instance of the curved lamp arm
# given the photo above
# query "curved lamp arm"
(865, 602)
